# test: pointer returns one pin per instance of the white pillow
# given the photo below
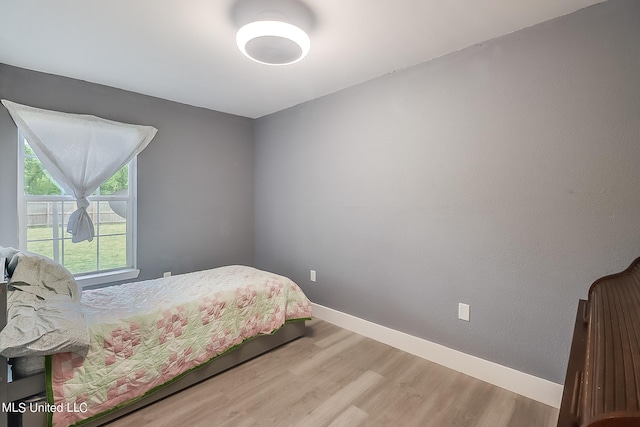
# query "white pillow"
(43, 310)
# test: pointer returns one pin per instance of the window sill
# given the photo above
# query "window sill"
(107, 277)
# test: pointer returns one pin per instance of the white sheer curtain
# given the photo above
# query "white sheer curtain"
(80, 152)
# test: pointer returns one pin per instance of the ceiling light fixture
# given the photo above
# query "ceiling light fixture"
(273, 32)
(273, 42)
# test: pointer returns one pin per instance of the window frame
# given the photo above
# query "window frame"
(96, 277)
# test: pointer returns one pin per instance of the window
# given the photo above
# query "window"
(95, 160)
(44, 209)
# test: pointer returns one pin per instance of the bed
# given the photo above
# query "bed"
(112, 350)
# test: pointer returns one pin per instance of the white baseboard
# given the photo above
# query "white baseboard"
(524, 384)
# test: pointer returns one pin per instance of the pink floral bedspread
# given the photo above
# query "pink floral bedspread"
(145, 334)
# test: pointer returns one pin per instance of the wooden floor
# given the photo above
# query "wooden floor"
(333, 377)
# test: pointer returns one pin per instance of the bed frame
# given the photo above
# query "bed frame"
(15, 390)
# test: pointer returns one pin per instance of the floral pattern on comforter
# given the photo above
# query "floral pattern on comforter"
(145, 334)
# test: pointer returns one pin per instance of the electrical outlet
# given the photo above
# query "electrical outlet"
(166, 274)
(313, 275)
(463, 311)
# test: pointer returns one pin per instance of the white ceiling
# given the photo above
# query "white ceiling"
(185, 51)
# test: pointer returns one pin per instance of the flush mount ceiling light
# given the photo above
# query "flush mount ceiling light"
(273, 32)
(273, 42)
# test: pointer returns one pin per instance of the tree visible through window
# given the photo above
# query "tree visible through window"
(45, 209)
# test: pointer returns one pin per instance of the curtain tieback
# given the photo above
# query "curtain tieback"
(82, 203)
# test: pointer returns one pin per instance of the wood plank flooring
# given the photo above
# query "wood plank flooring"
(333, 377)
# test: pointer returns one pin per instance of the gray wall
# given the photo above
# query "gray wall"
(195, 179)
(505, 176)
